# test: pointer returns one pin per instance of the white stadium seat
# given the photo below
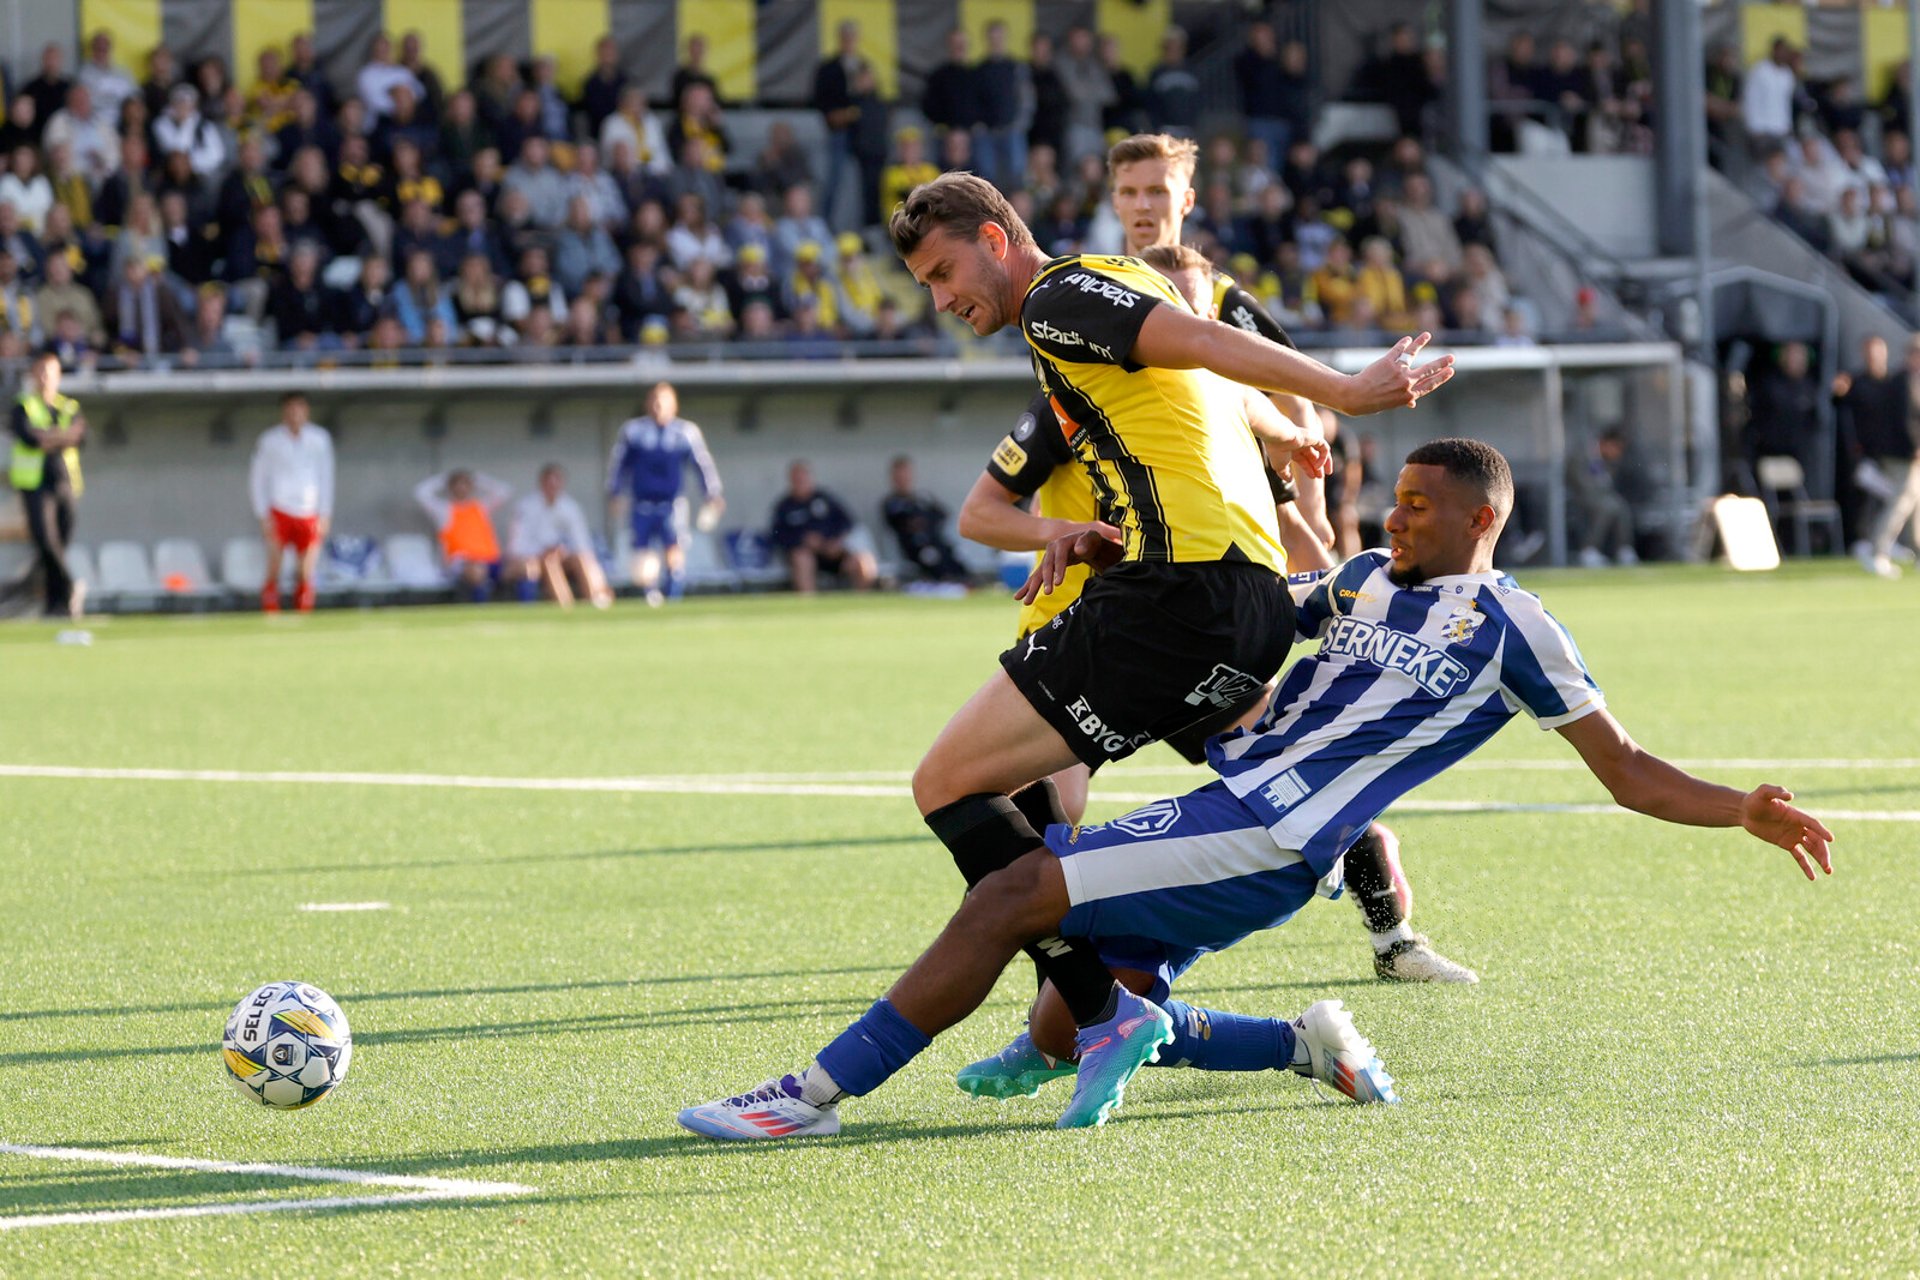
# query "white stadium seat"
(411, 562)
(127, 576)
(181, 560)
(707, 563)
(243, 565)
(80, 565)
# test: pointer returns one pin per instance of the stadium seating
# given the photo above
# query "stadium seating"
(243, 566)
(1783, 486)
(411, 563)
(126, 575)
(180, 569)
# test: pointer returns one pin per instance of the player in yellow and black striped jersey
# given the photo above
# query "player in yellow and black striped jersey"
(1189, 613)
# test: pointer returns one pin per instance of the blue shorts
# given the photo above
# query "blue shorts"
(1160, 887)
(661, 524)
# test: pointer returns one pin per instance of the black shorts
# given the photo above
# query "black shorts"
(1155, 651)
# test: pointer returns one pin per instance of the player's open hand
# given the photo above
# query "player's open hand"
(1394, 381)
(1100, 545)
(1766, 813)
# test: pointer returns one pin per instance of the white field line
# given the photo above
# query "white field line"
(346, 906)
(764, 785)
(416, 1188)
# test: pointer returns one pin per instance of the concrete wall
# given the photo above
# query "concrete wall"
(1609, 198)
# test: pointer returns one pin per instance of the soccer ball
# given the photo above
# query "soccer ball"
(287, 1045)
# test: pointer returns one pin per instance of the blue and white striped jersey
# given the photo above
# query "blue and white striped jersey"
(1407, 682)
(650, 460)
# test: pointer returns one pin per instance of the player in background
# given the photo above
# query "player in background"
(291, 484)
(1152, 193)
(646, 474)
(1426, 651)
(1190, 619)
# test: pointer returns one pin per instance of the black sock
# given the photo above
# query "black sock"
(1370, 881)
(1040, 803)
(986, 832)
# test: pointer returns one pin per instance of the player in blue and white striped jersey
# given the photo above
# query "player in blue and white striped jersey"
(1426, 651)
(648, 471)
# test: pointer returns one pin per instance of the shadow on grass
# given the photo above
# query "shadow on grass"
(1870, 1060)
(436, 993)
(718, 1015)
(589, 855)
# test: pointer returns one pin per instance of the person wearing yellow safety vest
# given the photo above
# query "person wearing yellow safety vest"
(45, 468)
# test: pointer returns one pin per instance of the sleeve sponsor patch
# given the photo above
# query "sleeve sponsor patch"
(1010, 457)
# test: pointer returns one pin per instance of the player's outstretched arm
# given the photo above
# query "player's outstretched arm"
(1171, 338)
(1643, 782)
(992, 517)
(1302, 444)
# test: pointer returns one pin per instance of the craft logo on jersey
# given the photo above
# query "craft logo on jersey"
(1109, 740)
(1101, 288)
(1151, 820)
(1364, 641)
(1463, 625)
(1059, 337)
(1224, 687)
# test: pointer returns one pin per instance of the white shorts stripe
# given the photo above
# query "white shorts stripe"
(1171, 862)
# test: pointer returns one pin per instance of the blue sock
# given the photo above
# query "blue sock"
(527, 592)
(676, 585)
(1213, 1041)
(880, 1043)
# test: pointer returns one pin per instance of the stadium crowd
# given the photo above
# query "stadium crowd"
(1832, 167)
(193, 216)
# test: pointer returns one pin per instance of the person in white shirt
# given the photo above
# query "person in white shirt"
(548, 544)
(91, 140)
(183, 128)
(109, 85)
(292, 487)
(1766, 100)
(378, 78)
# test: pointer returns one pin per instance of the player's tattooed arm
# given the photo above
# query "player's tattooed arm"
(1639, 780)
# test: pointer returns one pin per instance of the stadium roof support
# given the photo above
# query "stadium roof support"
(1680, 146)
(1467, 73)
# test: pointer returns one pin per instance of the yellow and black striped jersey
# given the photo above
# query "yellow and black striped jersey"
(1171, 459)
(1034, 462)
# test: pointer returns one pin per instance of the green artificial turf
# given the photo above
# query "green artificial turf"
(1682, 1058)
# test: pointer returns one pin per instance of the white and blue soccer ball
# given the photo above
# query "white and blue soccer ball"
(287, 1045)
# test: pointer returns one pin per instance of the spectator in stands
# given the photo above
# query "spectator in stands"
(549, 546)
(20, 242)
(534, 177)
(533, 291)
(1381, 284)
(693, 70)
(461, 504)
(495, 90)
(142, 237)
(1427, 234)
(583, 248)
(144, 318)
(307, 127)
(19, 318)
(359, 307)
(694, 237)
(477, 302)
(1269, 95)
(950, 99)
(1795, 211)
(405, 123)
(1878, 422)
(185, 129)
(870, 142)
(48, 430)
(833, 98)
(606, 204)
(63, 295)
(133, 177)
(95, 146)
(1090, 95)
(782, 164)
(1173, 90)
(473, 233)
(25, 188)
(49, 89)
(247, 186)
(462, 136)
(908, 171)
(639, 294)
(1044, 104)
(1000, 139)
(919, 524)
(1767, 97)
(700, 117)
(811, 282)
(291, 484)
(750, 225)
(303, 65)
(302, 310)
(270, 101)
(380, 75)
(810, 527)
(702, 310)
(191, 246)
(752, 282)
(413, 59)
(555, 116)
(797, 225)
(420, 298)
(109, 85)
(23, 126)
(601, 91)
